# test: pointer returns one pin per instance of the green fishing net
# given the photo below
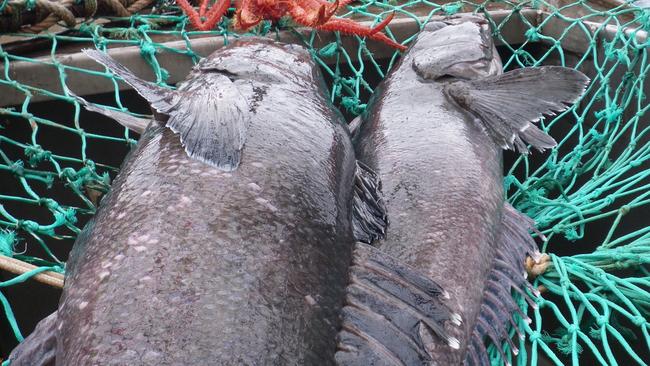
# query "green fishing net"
(590, 196)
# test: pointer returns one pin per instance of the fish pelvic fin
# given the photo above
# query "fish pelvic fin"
(39, 348)
(211, 119)
(509, 105)
(495, 317)
(369, 219)
(135, 124)
(393, 315)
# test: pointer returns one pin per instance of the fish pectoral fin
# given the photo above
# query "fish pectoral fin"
(498, 308)
(393, 315)
(39, 348)
(508, 105)
(135, 124)
(369, 219)
(211, 120)
(212, 124)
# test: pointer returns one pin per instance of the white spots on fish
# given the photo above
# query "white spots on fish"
(121, 215)
(453, 342)
(132, 241)
(145, 279)
(145, 193)
(119, 257)
(151, 356)
(106, 264)
(185, 200)
(254, 186)
(82, 305)
(195, 171)
(266, 203)
(456, 319)
(140, 248)
(310, 300)
(142, 238)
(153, 241)
(103, 275)
(257, 164)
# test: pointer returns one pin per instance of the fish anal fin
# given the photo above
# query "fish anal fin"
(509, 105)
(499, 306)
(393, 315)
(39, 348)
(369, 219)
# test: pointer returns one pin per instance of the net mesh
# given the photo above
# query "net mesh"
(588, 196)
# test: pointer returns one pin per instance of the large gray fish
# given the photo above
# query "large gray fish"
(433, 133)
(229, 245)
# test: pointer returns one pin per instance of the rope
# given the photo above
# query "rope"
(61, 10)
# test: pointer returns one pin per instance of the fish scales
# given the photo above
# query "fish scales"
(187, 263)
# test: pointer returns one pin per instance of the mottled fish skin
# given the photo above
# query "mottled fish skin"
(185, 264)
(441, 174)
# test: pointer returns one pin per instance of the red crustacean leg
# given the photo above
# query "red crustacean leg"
(312, 14)
(245, 16)
(213, 15)
(203, 8)
(192, 15)
(348, 26)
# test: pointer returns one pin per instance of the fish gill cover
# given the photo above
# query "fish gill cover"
(590, 196)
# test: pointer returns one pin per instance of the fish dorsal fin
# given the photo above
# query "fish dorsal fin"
(393, 315)
(135, 124)
(211, 120)
(496, 313)
(369, 220)
(507, 105)
(39, 348)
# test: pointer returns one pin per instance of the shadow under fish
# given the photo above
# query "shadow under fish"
(433, 133)
(227, 236)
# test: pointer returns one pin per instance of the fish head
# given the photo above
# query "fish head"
(258, 59)
(456, 47)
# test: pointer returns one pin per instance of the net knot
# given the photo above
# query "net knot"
(36, 154)
(532, 34)
(353, 105)
(639, 320)
(28, 225)
(7, 241)
(147, 50)
(452, 8)
(602, 320)
(535, 336)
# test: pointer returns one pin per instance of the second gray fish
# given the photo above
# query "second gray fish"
(434, 132)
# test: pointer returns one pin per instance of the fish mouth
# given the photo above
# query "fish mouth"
(459, 47)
